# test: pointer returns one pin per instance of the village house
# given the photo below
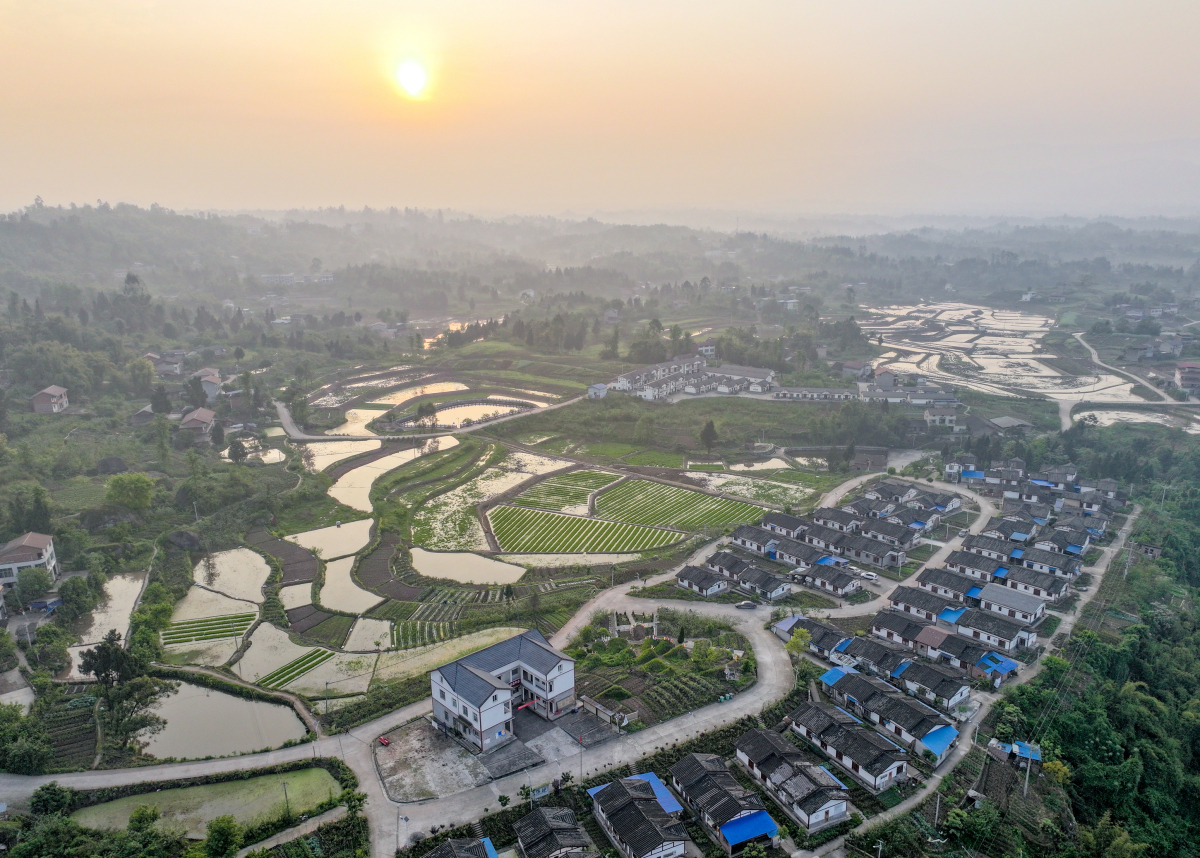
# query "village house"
(732, 814)
(551, 832)
(808, 793)
(28, 551)
(870, 758)
(1012, 603)
(638, 825)
(922, 603)
(464, 847)
(824, 638)
(949, 585)
(870, 655)
(831, 580)
(944, 687)
(995, 630)
(49, 400)
(702, 581)
(1039, 584)
(199, 422)
(899, 627)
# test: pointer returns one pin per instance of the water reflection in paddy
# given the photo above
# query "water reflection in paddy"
(199, 724)
(464, 567)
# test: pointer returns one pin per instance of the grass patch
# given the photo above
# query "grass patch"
(654, 459)
(670, 591)
(209, 628)
(332, 631)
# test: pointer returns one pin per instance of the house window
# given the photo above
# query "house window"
(443, 693)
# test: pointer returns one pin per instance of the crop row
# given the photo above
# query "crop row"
(566, 490)
(534, 530)
(412, 633)
(210, 628)
(295, 668)
(448, 594)
(644, 502)
(679, 694)
(438, 613)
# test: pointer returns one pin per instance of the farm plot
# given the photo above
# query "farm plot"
(534, 530)
(414, 633)
(767, 491)
(295, 669)
(210, 628)
(644, 502)
(565, 491)
(71, 729)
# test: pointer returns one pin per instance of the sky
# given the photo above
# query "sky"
(1023, 107)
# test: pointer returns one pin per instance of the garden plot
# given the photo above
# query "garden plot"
(397, 665)
(448, 522)
(346, 673)
(200, 603)
(210, 628)
(295, 596)
(644, 502)
(353, 488)
(336, 541)
(269, 649)
(120, 597)
(767, 491)
(239, 573)
(366, 632)
(521, 529)
(565, 559)
(295, 668)
(566, 492)
(326, 453)
(340, 593)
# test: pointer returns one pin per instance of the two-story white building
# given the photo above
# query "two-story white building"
(30, 551)
(477, 696)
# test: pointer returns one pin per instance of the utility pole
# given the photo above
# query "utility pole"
(878, 849)
(1028, 769)
(287, 804)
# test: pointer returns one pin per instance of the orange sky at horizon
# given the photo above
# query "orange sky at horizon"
(864, 105)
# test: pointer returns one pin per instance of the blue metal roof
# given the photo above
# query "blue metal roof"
(1001, 572)
(1017, 553)
(1019, 537)
(826, 561)
(488, 847)
(1023, 750)
(748, 827)
(842, 646)
(832, 675)
(665, 799)
(1045, 483)
(994, 662)
(951, 615)
(974, 592)
(939, 738)
(977, 475)
(899, 669)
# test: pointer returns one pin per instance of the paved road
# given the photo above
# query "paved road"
(836, 847)
(1096, 360)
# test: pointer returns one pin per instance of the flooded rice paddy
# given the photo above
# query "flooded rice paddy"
(270, 649)
(356, 422)
(200, 603)
(340, 593)
(1110, 418)
(239, 573)
(399, 397)
(121, 594)
(295, 596)
(353, 488)
(336, 540)
(464, 567)
(368, 635)
(199, 719)
(326, 453)
(460, 414)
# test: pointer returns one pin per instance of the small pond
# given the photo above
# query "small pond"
(464, 567)
(199, 725)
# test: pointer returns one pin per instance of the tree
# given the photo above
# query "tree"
(141, 375)
(32, 583)
(110, 662)
(51, 798)
(218, 436)
(160, 403)
(708, 436)
(798, 643)
(132, 491)
(504, 800)
(1108, 840)
(237, 451)
(224, 837)
(239, 353)
(131, 707)
(1057, 771)
(427, 414)
(143, 817)
(193, 393)
(30, 511)
(162, 439)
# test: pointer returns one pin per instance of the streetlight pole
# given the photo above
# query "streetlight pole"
(398, 819)
(287, 804)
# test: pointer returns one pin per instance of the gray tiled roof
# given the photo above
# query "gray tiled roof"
(548, 830)
(637, 817)
(922, 599)
(1011, 598)
(953, 581)
(702, 578)
(906, 625)
(942, 681)
(468, 847)
(992, 623)
(976, 561)
(471, 677)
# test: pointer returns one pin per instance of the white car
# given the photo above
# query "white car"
(870, 576)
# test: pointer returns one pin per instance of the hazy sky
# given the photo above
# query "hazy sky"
(1021, 106)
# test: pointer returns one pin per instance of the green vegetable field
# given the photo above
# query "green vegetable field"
(644, 502)
(565, 490)
(533, 530)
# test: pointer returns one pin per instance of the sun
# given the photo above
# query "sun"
(411, 77)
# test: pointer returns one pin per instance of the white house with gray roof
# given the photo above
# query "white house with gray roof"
(477, 696)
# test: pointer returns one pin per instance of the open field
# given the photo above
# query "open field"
(567, 490)
(643, 502)
(192, 807)
(533, 530)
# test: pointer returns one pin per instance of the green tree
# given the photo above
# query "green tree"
(504, 800)
(798, 643)
(160, 402)
(224, 837)
(427, 414)
(708, 436)
(144, 816)
(110, 662)
(132, 491)
(1108, 840)
(237, 451)
(218, 436)
(193, 393)
(162, 439)
(51, 798)
(32, 583)
(130, 715)
(141, 375)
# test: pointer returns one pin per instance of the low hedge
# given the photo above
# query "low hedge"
(341, 772)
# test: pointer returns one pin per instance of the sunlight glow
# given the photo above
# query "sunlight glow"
(411, 77)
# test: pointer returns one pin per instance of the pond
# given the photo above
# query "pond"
(121, 594)
(337, 540)
(239, 572)
(353, 488)
(199, 721)
(464, 567)
(340, 593)
(457, 416)
(325, 453)
(356, 422)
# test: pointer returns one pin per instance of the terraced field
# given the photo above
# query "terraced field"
(644, 502)
(522, 529)
(413, 633)
(208, 628)
(566, 490)
(295, 668)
